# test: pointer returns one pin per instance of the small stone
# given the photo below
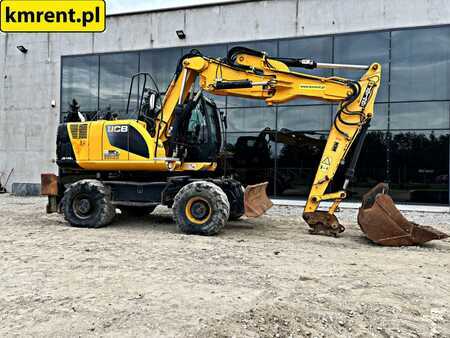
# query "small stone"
(276, 253)
(341, 323)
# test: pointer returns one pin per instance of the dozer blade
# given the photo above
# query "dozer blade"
(383, 223)
(256, 201)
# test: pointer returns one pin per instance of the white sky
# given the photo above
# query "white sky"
(121, 6)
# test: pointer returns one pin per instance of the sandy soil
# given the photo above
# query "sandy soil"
(263, 277)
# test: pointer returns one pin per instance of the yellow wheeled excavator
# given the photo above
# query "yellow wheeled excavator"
(168, 154)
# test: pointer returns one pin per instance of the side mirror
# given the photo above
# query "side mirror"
(152, 101)
(224, 119)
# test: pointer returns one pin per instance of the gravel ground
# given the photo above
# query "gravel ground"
(264, 277)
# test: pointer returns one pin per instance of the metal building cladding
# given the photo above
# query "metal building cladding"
(408, 142)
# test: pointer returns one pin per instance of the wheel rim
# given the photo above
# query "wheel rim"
(82, 207)
(198, 210)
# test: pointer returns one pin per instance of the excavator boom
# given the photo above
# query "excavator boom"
(252, 74)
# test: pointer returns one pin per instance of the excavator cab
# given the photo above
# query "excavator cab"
(203, 132)
(200, 130)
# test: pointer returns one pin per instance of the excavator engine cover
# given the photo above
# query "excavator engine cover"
(256, 201)
(383, 223)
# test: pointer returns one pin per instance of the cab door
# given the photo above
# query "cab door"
(203, 133)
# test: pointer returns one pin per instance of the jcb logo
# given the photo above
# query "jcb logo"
(366, 95)
(117, 129)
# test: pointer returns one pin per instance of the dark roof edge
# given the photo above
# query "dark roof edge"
(169, 9)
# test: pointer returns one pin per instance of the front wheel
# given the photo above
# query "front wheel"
(86, 204)
(201, 208)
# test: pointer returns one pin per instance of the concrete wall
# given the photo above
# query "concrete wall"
(29, 82)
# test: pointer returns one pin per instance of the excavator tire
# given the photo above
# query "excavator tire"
(86, 204)
(201, 208)
(137, 211)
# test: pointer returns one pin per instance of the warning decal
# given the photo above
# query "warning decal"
(325, 164)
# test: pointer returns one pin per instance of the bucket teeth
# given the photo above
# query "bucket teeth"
(383, 223)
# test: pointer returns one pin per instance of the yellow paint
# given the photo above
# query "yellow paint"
(189, 214)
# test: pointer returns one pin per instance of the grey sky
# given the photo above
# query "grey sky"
(121, 6)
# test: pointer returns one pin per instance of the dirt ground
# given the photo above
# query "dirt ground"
(263, 277)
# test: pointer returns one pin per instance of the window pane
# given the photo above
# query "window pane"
(251, 119)
(420, 68)
(270, 47)
(212, 51)
(318, 49)
(161, 64)
(116, 71)
(380, 119)
(298, 155)
(253, 157)
(304, 118)
(364, 49)
(80, 82)
(420, 166)
(420, 115)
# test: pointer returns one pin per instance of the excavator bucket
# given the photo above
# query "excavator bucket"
(256, 201)
(383, 223)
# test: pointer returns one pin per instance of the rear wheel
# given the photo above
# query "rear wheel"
(201, 208)
(137, 211)
(86, 204)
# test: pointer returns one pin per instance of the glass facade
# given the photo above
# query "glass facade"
(408, 141)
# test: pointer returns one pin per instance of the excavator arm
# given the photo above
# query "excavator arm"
(252, 74)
